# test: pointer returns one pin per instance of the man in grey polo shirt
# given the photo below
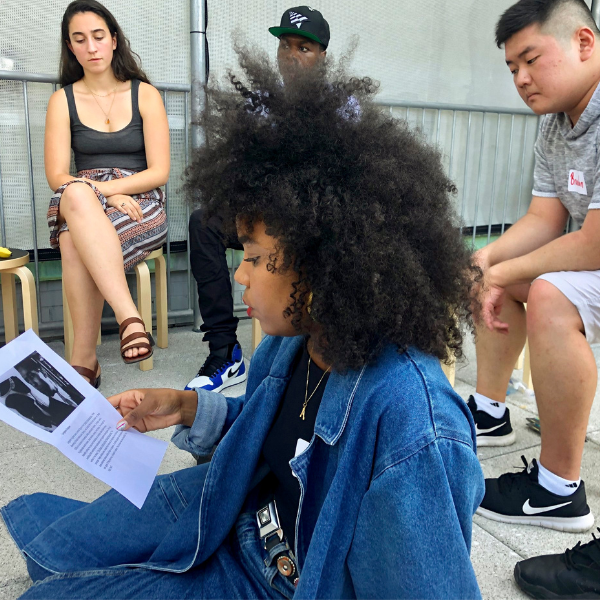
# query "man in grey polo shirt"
(552, 48)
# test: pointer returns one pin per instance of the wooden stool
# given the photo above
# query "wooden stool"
(523, 363)
(450, 371)
(9, 268)
(144, 294)
(257, 333)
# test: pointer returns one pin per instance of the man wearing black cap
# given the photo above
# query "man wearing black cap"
(303, 39)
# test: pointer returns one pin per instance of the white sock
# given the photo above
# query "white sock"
(555, 484)
(491, 407)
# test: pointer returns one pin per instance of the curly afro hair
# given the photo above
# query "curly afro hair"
(358, 203)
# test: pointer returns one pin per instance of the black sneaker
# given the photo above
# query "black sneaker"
(491, 431)
(574, 574)
(519, 498)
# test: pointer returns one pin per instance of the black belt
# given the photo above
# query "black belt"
(272, 535)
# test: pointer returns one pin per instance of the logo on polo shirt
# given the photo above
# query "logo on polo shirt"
(577, 182)
(296, 19)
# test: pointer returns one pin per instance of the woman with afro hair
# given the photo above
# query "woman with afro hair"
(348, 467)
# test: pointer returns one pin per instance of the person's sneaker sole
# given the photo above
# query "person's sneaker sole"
(536, 591)
(501, 440)
(569, 524)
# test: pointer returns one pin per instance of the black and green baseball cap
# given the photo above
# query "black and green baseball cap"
(305, 21)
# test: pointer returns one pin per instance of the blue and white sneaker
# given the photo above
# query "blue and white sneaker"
(219, 372)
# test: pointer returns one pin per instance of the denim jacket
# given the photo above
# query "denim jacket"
(389, 482)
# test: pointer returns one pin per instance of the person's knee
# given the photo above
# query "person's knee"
(76, 198)
(548, 309)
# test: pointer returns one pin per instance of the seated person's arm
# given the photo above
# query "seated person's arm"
(545, 221)
(156, 140)
(202, 417)
(57, 141)
(575, 251)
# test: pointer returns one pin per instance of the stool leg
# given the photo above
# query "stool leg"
(144, 293)
(68, 327)
(162, 317)
(9, 306)
(520, 360)
(256, 333)
(450, 371)
(30, 315)
(527, 381)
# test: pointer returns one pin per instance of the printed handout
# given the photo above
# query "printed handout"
(42, 396)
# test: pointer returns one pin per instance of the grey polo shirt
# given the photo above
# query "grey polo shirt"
(567, 162)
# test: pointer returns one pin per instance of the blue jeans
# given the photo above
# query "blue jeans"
(240, 568)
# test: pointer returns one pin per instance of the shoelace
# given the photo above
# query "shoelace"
(508, 480)
(583, 551)
(212, 365)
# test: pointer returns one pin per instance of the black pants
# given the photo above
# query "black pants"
(209, 267)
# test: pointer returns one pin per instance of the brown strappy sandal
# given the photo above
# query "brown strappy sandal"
(91, 375)
(134, 336)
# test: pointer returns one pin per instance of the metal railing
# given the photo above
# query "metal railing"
(461, 132)
(486, 148)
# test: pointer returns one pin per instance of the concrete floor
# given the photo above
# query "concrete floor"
(28, 466)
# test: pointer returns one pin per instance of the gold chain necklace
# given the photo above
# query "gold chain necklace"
(307, 399)
(107, 122)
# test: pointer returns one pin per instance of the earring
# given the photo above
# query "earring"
(309, 306)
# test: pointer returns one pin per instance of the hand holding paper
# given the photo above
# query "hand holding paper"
(151, 409)
(43, 396)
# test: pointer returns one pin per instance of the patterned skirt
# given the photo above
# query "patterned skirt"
(137, 239)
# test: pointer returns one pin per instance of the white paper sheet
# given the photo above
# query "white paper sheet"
(43, 396)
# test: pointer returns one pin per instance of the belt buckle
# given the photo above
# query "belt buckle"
(269, 527)
(268, 522)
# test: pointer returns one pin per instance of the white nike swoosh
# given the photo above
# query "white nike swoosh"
(530, 510)
(488, 430)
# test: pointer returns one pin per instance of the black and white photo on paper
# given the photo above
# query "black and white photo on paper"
(38, 393)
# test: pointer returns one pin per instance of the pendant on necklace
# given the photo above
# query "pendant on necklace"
(108, 121)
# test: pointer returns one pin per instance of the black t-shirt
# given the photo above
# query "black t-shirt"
(281, 442)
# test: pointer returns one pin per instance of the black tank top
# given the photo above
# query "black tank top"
(123, 149)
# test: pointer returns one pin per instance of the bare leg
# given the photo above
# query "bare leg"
(564, 377)
(98, 246)
(85, 303)
(497, 353)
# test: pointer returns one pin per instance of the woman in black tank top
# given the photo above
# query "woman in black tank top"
(112, 216)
